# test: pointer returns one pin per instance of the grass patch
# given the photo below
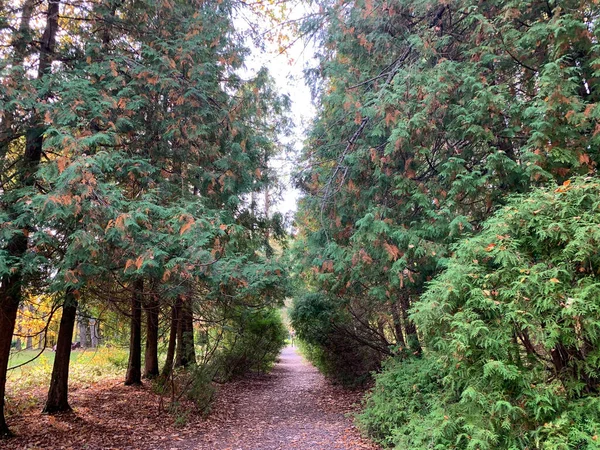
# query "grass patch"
(27, 383)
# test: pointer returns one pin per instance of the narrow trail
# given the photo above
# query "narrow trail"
(293, 407)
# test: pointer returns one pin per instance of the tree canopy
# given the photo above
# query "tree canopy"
(131, 149)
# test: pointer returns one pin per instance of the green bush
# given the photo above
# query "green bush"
(201, 389)
(334, 352)
(512, 332)
(405, 408)
(192, 383)
(252, 343)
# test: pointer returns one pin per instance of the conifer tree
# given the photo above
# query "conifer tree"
(141, 146)
(430, 114)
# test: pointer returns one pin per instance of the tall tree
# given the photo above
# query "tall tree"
(152, 309)
(57, 400)
(16, 245)
(130, 156)
(134, 366)
(429, 115)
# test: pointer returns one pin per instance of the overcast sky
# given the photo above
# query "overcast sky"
(287, 70)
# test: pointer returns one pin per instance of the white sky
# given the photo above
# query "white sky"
(287, 70)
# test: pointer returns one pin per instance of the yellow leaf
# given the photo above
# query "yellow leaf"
(554, 280)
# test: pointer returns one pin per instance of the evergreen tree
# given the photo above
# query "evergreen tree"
(429, 115)
(141, 147)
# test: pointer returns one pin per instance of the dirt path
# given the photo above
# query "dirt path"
(291, 408)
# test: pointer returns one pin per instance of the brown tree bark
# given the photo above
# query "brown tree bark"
(400, 342)
(186, 351)
(151, 355)
(180, 326)
(168, 367)
(134, 367)
(10, 298)
(59, 384)
(10, 290)
(412, 339)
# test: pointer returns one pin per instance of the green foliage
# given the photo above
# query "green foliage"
(512, 328)
(407, 407)
(325, 343)
(130, 159)
(251, 342)
(195, 385)
(430, 114)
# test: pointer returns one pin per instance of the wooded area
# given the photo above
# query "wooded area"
(130, 153)
(445, 247)
(448, 229)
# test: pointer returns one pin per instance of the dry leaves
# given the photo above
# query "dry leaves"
(291, 408)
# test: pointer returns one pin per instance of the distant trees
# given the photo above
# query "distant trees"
(130, 147)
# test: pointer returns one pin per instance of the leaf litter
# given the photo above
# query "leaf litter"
(293, 407)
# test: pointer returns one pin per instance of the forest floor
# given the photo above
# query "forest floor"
(293, 407)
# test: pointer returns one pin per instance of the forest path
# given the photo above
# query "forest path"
(293, 407)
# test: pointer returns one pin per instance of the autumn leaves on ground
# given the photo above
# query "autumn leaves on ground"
(293, 407)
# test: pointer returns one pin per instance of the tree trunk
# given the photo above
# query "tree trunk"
(59, 384)
(29, 339)
(83, 326)
(151, 355)
(188, 352)
(10, 298)
(94, 333)
(412, 339)
(179, 350)
(10, 292)
(134, 367)
(168, 367)
(400, 342)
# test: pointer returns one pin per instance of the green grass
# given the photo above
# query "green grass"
(87, 368)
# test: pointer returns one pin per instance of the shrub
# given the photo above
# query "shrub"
(336, 353)
(405, 408)
(512, 333)
(513, 324)
(252, 343)
(194, 384)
